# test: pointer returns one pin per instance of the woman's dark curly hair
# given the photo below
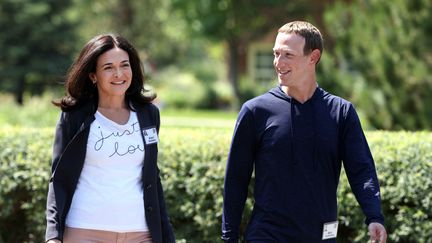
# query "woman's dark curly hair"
(80, 88)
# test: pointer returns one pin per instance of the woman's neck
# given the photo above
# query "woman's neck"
(112, 104)
(115, 111)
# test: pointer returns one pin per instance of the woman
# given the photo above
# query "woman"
(105, 182)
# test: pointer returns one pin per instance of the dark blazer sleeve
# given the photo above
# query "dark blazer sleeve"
(167, 231)
(61, 139)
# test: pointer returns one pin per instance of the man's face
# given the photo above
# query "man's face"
(291, 65)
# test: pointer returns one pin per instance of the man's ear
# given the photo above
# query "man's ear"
(315, 56)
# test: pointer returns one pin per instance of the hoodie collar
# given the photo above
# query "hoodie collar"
(279, 93)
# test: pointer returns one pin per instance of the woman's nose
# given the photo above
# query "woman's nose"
(117, 72)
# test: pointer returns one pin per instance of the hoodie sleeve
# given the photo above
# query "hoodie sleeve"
(238, 174)
(360, 168)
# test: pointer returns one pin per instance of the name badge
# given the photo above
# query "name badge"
(330, 230)
(150, 135)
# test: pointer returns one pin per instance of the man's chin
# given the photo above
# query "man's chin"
(283, 82)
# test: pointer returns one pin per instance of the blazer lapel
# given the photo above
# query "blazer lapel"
(148, 133)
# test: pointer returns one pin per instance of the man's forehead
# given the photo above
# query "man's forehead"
(289, 41)
(291, 37)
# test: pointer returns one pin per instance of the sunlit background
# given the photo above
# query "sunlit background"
(214, 55)
(204, 58)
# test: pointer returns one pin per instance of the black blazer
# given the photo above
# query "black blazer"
(69, 152)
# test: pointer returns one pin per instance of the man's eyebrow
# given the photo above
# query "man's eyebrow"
(281, 49)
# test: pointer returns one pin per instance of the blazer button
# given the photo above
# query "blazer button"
(148, 186)
(149, 209)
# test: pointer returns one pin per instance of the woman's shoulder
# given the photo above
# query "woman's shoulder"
(148, 112)
(152, 108)
(78, 113)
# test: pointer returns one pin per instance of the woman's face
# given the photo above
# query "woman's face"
(113, 74)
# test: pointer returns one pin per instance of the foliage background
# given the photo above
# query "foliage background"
(377, 53)
(383, 61)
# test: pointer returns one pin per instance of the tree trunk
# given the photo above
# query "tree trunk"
(19, 91)
(125, 14)
(233, 67)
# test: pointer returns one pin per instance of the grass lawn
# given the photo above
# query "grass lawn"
(38, 112)
(198, 118)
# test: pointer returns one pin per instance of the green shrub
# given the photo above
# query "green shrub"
(24, 173)
(192, 163)
(177, 89)
(196, 88)
(224, 95)
(37, 111)
(404, 165)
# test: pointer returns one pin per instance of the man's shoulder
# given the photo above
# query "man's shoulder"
(259, 101)
(334, 99)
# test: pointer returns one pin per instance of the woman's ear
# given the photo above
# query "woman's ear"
(92, 77)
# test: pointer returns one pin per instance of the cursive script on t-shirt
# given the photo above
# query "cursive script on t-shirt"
(129, 150)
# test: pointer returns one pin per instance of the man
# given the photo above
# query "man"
(296, 137)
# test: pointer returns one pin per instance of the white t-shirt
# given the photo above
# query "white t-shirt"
(109, 193)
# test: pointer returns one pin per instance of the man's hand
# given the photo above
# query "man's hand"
(377, 233)
(54, 241)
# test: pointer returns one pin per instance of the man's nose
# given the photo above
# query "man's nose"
(277, 61)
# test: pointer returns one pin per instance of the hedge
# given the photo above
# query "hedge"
(192, 163)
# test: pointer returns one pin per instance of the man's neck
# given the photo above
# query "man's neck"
(301, 94)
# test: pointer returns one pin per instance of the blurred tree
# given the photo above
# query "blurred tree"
(36, 39)
(149, 25)
(237, 22)
(383, 60)
(161, 37)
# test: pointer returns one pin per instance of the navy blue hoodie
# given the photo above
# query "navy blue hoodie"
(297, 151)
